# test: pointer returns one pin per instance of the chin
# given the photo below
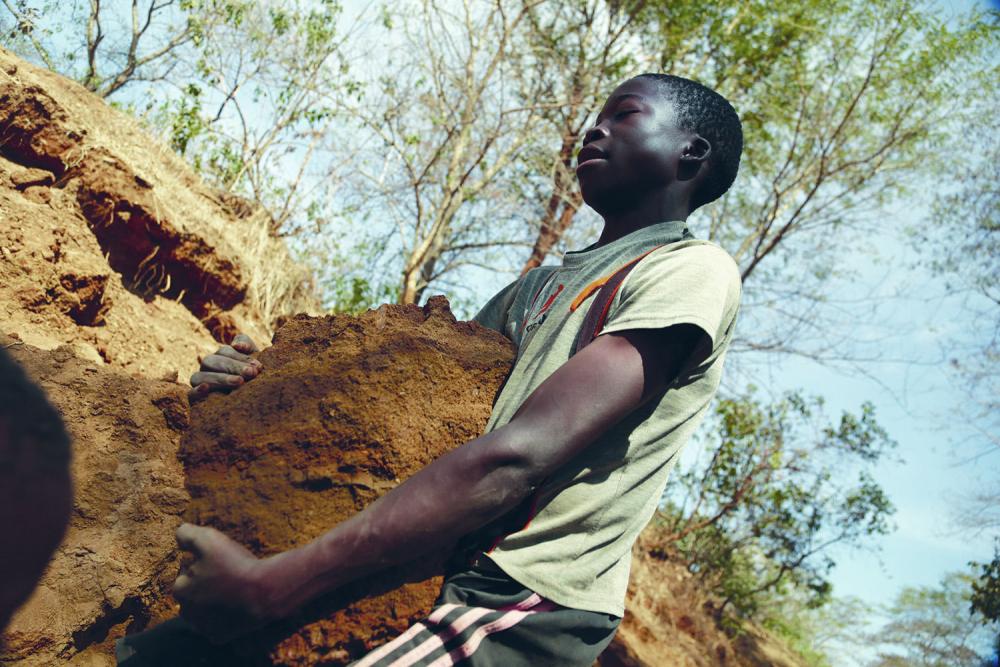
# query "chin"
(606, 200)
(598, 195)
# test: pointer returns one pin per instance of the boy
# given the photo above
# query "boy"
(579, 445)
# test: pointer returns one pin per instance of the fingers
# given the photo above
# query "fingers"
(228, 368)
(221, 372)
(222, 363)
(232, 353)
(215, 381)
(192, 538)
(243, 343)
(195, 540)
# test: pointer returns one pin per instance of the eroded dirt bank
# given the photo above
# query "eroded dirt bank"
(107, 241)
(113, 569)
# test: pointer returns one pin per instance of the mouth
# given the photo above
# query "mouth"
(588, 154)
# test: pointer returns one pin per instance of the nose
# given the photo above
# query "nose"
(593, 134)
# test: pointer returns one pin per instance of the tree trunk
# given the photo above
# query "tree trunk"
(410, 291)
(562, 206)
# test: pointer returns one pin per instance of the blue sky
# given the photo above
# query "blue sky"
(927, 486)
(913, 403)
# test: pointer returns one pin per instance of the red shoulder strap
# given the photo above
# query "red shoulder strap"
(597, 314)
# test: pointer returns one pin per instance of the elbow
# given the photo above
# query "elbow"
(498, 473)
(517, 457)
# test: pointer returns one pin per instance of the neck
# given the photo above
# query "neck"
(621, 223)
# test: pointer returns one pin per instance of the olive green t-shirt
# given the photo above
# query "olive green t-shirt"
(576, 549)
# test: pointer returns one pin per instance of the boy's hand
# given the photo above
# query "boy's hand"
(221, 591)
(227, 369)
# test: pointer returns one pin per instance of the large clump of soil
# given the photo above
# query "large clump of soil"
(113, 571)
(345, 409)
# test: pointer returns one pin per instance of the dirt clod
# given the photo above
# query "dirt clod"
(344, 409)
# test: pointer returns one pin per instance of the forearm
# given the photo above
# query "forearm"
(458, 493)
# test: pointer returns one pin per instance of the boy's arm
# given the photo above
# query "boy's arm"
(459, 492)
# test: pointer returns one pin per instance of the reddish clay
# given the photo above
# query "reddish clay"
(345, 409)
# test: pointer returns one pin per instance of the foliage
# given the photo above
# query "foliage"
(858, 120)
(985, 599)
(250, 114)
(775, 490)
(119, 46)
(932, 627)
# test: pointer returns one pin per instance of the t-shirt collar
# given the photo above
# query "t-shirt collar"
(652, 235)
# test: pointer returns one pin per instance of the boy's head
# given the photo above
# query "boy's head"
(660, 135)
(35, 485)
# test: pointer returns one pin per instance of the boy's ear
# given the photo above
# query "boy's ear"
(696, 150)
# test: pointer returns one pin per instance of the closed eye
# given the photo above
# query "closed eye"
(625, 112)
(619, 114)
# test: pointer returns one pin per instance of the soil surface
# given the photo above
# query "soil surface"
(345, 408)
(670, 620)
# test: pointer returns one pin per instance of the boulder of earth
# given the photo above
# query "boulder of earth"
(345, 408)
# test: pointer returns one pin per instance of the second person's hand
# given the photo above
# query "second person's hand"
(228, 368)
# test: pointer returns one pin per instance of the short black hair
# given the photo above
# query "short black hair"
(28, 420)
(700, 109)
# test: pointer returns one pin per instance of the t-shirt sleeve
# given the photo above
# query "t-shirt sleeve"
(696, 284)
(494, 314)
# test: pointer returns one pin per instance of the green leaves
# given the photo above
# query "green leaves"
(186, 121)
(774, 493)
(985, 599)
(861, 436)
